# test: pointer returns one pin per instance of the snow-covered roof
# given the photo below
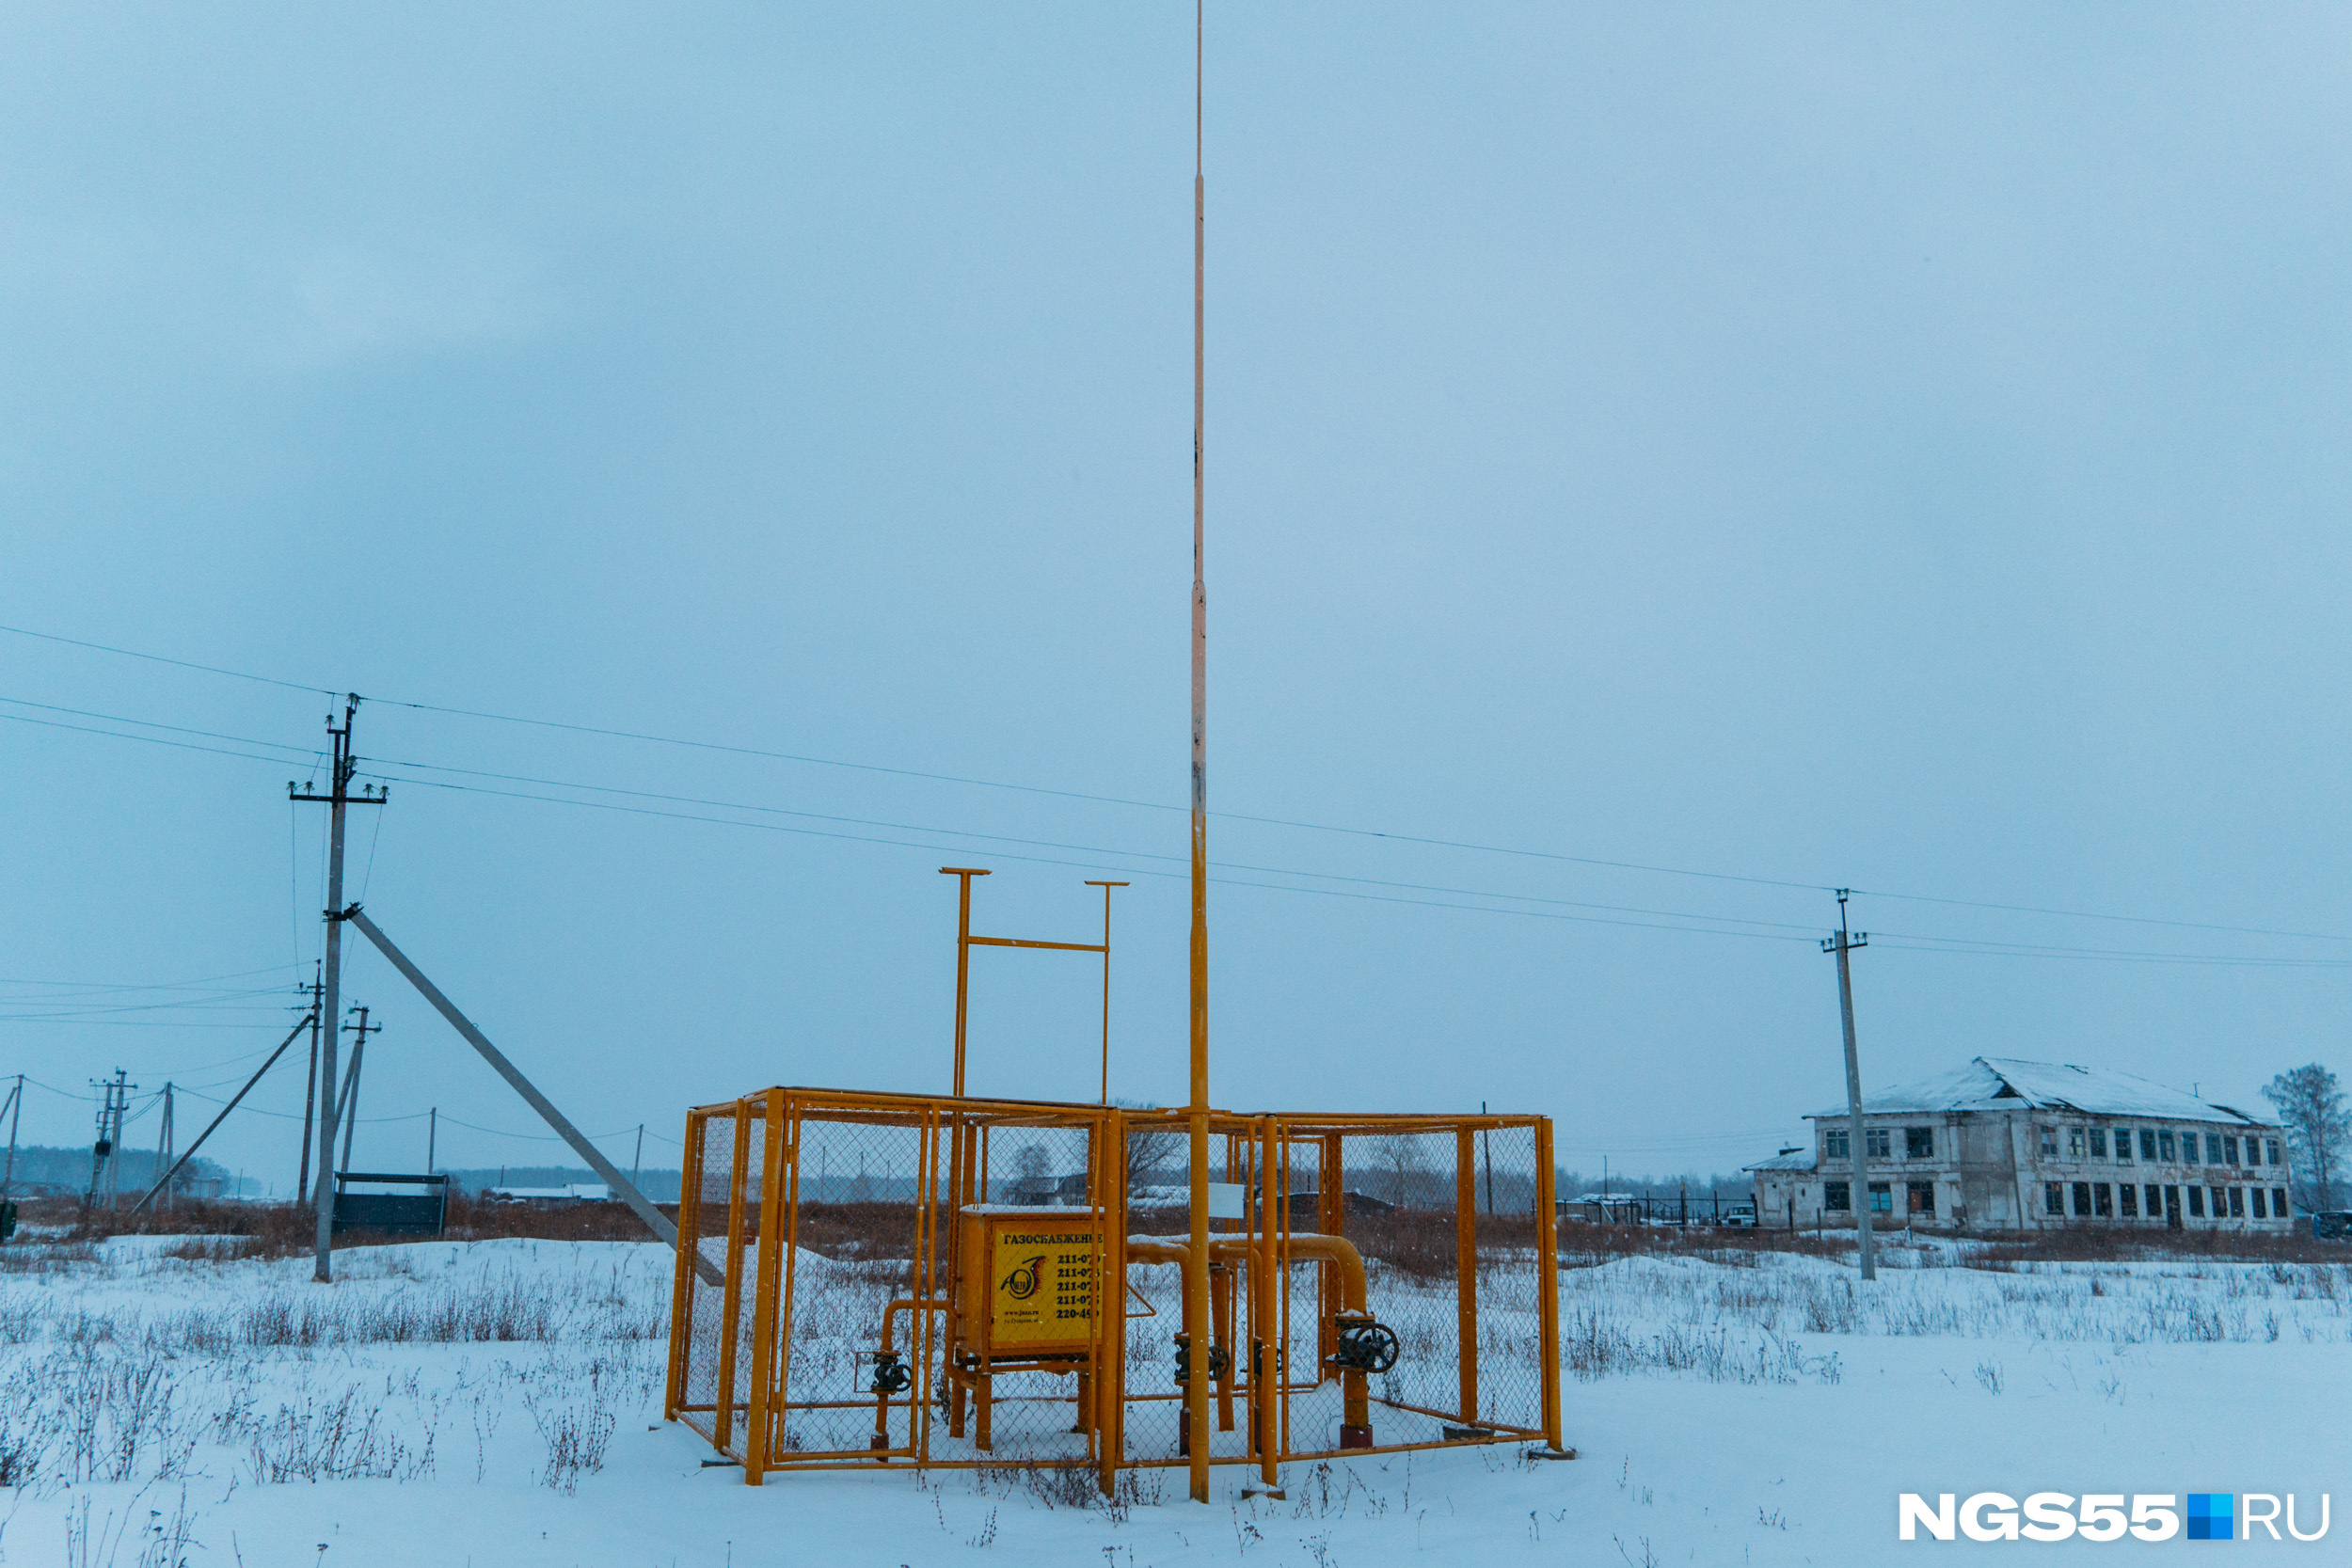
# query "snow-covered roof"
(1796, 1159)
(2001, 1083)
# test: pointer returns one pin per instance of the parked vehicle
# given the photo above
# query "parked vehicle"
(1740, 1216)
(2332, 1226)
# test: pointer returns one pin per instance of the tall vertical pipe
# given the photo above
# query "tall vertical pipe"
(1196, 1279)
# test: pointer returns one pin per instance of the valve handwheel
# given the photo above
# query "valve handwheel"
(891, 1375)
(1369, 1347)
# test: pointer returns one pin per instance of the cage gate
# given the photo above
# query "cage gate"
(873, 1279)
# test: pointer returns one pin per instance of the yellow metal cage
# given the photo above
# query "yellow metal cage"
(873, 1279)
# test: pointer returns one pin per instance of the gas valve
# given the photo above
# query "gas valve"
(1365, 1346)
(1220, 1361)
(891, 1375)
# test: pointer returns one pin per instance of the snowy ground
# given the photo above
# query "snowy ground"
(499, 1403)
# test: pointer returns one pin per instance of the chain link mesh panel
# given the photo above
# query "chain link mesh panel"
(703, 1211)
(860, 1243)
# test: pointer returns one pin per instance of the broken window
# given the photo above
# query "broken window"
(2278, 1203)
(1919, 1143)
(2237, 1203)
(2229, 1152)
(1837, 1196)
(2164, 1147)
(2212, 1148)
(2052, 1197)
(2098, 1143)
(1881, 1198)
(2258, 1204)
(2197, 1203)
(2122, 1146)
(2148, 1146)
(2156, 1201)
(2082, 1200)
(2129, 1195)
(1837, 1143)
(2049, 1142)
(2073, 1143)
(1875, 1141)
(2274, 1149)
(2189, 1148)
(2103, 1201)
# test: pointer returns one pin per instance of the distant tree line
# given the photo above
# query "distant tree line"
(40, 1169)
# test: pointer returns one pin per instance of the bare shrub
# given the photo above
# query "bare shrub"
(338, 1439)
(572, 1407)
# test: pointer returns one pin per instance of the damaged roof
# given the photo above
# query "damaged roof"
(2001, 1083)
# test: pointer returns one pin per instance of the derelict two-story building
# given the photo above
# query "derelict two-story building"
(2006, 1145)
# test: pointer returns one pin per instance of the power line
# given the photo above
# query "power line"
(1425, 841)
(1957, 945)
(218, 1003)
(947, 833)
(151, 740)
(1043, 844)
(98, 986)
(158, 659)
(1693, 922)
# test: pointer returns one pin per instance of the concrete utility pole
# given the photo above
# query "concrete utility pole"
(1841, 944)
(656, 1221)
(1486, 1147)
(163, 1161)
(16, 1110)
(432, 1136)
(311, 1088)
(1197, 1278)
(338, 796)
(234, 1100)
(114, 1094)
(351, 1087)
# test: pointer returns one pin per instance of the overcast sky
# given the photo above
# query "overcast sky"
(1829, 446)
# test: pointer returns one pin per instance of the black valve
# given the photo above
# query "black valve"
(1365, 1346)
(1220, 1361)
(891, 1375)
(1257, 1359)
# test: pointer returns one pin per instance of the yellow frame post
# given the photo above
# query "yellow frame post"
(1265, 1345)
(689, 1241)
(1111, 1302)
(773, 1248)
(1548, 1268)
(1465, 1266)
(731, 1314)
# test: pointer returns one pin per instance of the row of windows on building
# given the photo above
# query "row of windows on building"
(2156, 1144)
(2125, 1200)
(1918, 1198)
(1878, 1143)
(2160, 1145)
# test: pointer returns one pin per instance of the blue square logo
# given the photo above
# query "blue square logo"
(2211, 1515)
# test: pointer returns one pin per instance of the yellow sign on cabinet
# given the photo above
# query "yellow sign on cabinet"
(1042, 1286)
